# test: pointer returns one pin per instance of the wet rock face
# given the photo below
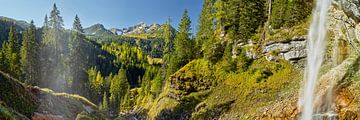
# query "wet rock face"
(350, 7)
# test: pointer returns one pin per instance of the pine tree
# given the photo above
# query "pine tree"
(252, 14)
(30, 55)
(77, 57)
(56, 20)
(77, 25)
(105, 107)
(118, 89)
(125, 102)
(279, 10)
(54, 53)
(213, 50)
(182, 43)
(168, 48)
(46, 22)
(205, 32)
(4, 64)
(298, 10)
(55, 33)
(12, 52)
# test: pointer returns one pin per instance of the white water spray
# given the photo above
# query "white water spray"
(316, 49)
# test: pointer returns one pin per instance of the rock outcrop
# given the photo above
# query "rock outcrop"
(350, 7)
(39, 116)
(140, 28)
(292, 51)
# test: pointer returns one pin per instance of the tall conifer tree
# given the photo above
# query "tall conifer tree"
(182, 43)
(77, 57)
(30, 55)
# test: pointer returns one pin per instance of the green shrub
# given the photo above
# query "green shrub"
(5, 114)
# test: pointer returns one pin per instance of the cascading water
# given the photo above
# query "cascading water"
(316, 49)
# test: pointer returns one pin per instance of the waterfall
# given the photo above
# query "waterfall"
(315, 51)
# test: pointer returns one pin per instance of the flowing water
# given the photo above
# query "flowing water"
(316, 49)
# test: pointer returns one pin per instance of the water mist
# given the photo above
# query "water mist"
(315, 51)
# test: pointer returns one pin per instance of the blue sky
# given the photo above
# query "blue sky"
(111, 13)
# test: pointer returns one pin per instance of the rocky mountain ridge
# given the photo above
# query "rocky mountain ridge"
(140, 28)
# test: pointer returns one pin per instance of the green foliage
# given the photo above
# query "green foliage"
(287, 13)
(239, 19)
(205, 28)
(263, 82)
(215, 52)
(10, 54)
(194, 77)
(29, 54)
(125, 55)
(127, 101)
(118, 88)
(183, 48)
(16, 96)
(6, 114)
(77, 58)
(87, 116)
(96, 81)
(284, 35)
(105, 103)
(54, 53)
(167, 50)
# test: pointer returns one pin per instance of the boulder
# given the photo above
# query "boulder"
(40, 116)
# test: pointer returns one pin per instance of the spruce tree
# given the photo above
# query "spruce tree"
(56, 20)
(205, 32)
(30, 55)
(4, 63)
(105, 104)
(279, 12)
(77, 57)
(12, 52)
(168, 48)
(55, 33)
(118, 88)
(54, 53)
(182, 43)
(252, 14)
(298, 10)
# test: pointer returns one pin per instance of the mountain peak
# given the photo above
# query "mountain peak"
(97, 30)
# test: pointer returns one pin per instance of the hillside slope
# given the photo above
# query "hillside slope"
(19, 101)
(266, 87)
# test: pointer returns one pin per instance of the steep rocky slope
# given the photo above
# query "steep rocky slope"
(18, 101)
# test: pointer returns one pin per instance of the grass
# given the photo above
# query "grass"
(70, 96)
(154, 61)
(263, 83)
(6, 114)
(236, 92)
(285, 35)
